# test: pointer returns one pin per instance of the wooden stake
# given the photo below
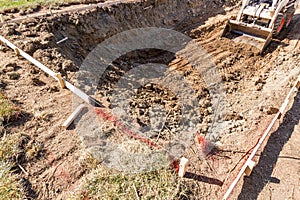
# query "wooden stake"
(17, 51)
(50, 10)
(183, 166)
(60, 80)
(298, 83)
(2, 18)
(73, 116)
(249, 168)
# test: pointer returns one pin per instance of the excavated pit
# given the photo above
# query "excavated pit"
(245, 74)
(88, 29)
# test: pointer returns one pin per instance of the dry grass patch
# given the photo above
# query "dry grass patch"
(19, 4)
(107, 184)
(8, 110)
(10, 187)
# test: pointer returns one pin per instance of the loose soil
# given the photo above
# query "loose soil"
(255, 86)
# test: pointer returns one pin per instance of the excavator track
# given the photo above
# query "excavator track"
(279, 24)
(289, 14)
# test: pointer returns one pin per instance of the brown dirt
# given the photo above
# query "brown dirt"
(255, 87)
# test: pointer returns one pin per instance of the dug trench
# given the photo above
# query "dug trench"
(58, 162)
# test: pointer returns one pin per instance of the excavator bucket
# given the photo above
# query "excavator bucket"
(251, 34)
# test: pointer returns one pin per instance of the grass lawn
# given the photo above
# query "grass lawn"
(7, 4)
